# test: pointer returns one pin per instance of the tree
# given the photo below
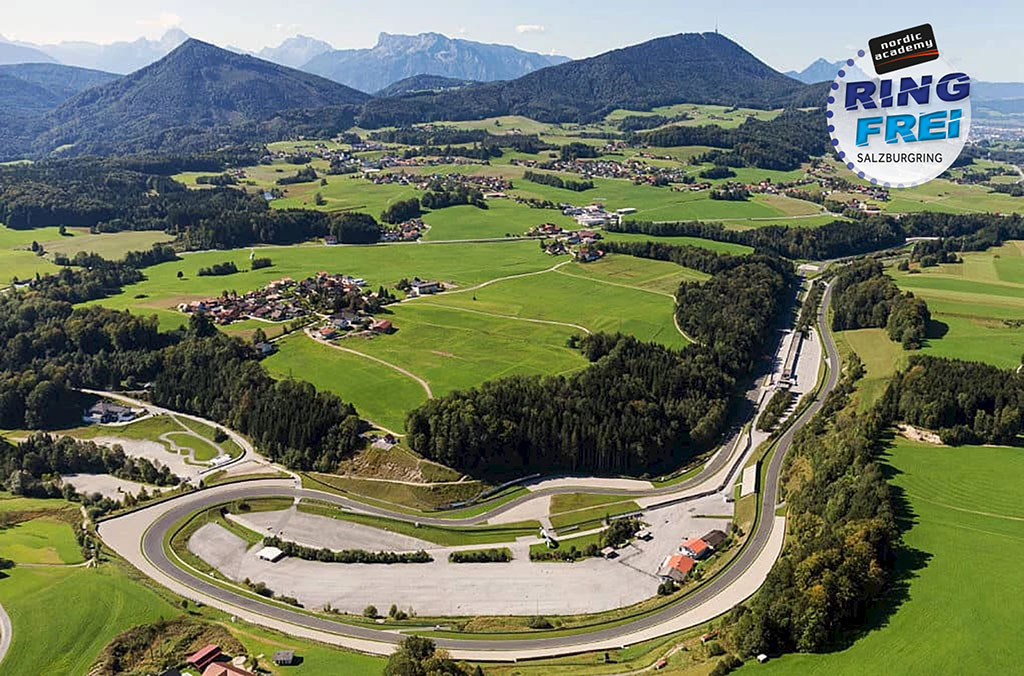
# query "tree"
(370, 611)
(258, 336)
(181, 274)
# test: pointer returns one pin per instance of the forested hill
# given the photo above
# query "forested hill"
(685, 68)
(37, 88)
(196, 86)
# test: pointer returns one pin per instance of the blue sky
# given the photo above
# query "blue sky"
(983, 37)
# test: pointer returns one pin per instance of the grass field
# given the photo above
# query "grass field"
(43, 540)
(452, 340)
(881, 358)
(973, 305)
(958, 615)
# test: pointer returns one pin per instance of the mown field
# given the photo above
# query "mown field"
(977, 306)
(959, 580)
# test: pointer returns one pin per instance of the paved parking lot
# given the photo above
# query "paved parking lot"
(519, 587)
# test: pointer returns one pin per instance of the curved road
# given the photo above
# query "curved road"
(734, 584)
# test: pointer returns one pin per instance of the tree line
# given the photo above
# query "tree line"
(326, 555)
(557, 181)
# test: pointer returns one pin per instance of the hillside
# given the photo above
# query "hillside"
(396, 57)
(61, 81)
(691, 68)
(423, 83)
(11, 53)
(195, 87)
(820, 71)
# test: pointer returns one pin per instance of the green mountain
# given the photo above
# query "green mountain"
(195, 88)
(36, 88)
(685, 68)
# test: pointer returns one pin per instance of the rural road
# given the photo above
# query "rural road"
(740, 580)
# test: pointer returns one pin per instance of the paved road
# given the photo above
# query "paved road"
(734, 584)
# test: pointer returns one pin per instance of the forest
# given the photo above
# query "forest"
(639, 406)
(966, 402)
(783, 143)
(865, 297)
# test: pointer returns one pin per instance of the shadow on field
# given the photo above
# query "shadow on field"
(935, 329)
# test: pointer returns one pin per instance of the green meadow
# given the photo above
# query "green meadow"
(977, 306)
(958, 582)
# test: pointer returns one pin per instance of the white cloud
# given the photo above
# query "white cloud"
(530, 28)
(288, 28)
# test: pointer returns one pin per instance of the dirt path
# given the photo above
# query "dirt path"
(423, 383)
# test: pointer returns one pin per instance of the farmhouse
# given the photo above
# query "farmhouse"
(421, 288)
(225, 669)
(676, 567)
(382, 326)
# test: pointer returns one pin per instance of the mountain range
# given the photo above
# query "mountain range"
(690, 68)
(820, 70)
(117, 57)
(396, 57)
(200, 96)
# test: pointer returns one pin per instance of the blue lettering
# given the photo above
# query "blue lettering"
(931, 127)
(911, 88)
(899, 125)
(867, 126)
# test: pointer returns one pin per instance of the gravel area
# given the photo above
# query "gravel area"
(155, 451)
(107, 485)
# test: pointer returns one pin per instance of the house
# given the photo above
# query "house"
(330, 240)
(382, 326)
(676, 568)
(421, 288)
(225, 669)
(625, 210)
(328, 332)
(284, 658)
(204, 656)
(264, 349)
(272, 554)
(106, 412)
(696, 548)
(715, 538)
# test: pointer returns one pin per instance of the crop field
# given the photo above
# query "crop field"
(977, 306)
(955, 607)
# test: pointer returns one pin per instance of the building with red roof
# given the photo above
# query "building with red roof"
(676, 567)
(696, 548)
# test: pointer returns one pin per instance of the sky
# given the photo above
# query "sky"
(985, 38)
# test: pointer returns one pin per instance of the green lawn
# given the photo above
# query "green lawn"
(593, 517)
(974, 305)
(966, 535)
(63, 617)
(881, 358)
(568, 502)
(41, 540)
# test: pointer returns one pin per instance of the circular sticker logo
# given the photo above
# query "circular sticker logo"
(898, 113)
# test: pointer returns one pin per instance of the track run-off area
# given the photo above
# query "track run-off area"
(140, 537)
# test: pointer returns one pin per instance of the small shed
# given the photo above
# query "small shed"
(284, 658)
(201, 658)
(609, 553)
(762, 658)
(272, 554)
